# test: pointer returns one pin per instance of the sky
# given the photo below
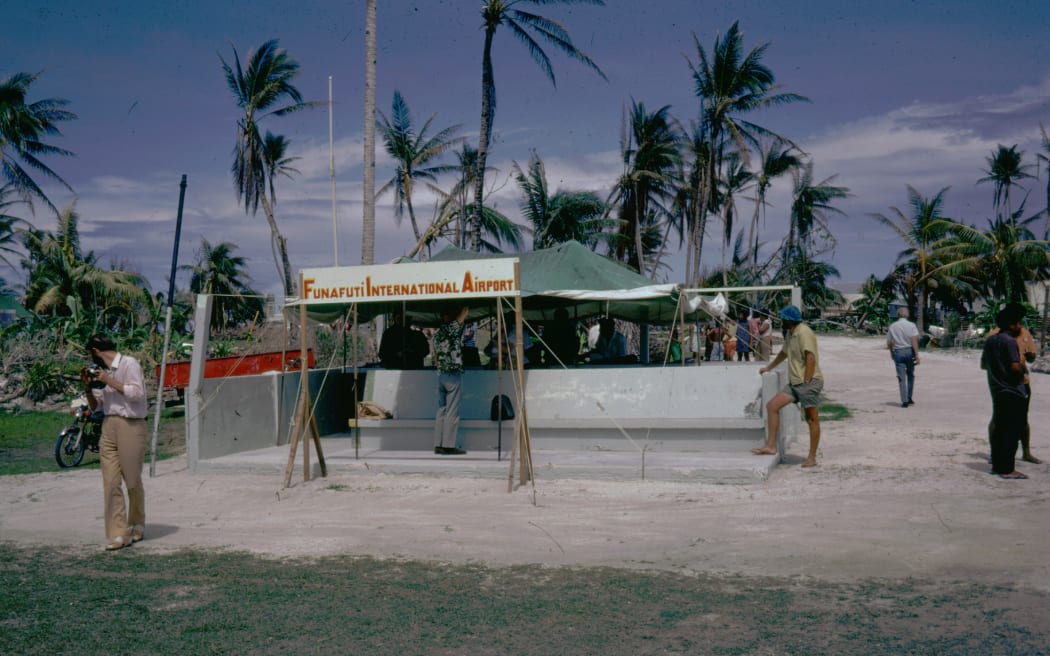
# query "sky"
(901, 93)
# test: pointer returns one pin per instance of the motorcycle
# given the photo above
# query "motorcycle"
(80, 436)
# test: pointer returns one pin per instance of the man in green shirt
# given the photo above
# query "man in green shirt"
(805, 383)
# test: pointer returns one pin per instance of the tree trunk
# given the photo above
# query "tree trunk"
(280, 246)
(639, 215)
(411, 210)
(488, 92)
(368, 204)
(920, 312)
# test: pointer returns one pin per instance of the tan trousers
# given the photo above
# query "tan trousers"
(122, 450)
(764, 348)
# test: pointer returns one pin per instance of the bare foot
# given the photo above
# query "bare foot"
(811, 462)
(764, 451)
(1028, 457)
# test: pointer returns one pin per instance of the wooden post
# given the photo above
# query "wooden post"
(293, 445)
(304, 385)
(1046, 308)
(520, 447)
(304, 414)
(357, 424)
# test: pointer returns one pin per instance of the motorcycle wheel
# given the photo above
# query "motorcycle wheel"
(69, 449)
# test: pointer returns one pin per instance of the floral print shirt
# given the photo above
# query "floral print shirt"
(448, 348)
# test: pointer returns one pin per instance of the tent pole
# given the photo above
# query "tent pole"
(525, 451)
(357, 424)
(304, 386)
(499, 384)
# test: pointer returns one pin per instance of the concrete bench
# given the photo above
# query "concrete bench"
(714, 407)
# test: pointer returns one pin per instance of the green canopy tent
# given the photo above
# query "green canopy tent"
(569, 275)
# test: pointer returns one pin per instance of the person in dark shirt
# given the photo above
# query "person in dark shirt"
(563, 344)
(402, 347)
(1001, 361)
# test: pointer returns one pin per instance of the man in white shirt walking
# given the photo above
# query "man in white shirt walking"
(903, 343)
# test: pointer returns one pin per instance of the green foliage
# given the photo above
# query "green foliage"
(873, 307)
(43, 378)
(221, 348)
(414, 152)
(24, 126)
(219, 272)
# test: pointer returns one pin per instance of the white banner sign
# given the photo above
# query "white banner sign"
(423, 281)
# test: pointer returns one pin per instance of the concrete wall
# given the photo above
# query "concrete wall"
(243, 413)
(584, 407)
(674, 392)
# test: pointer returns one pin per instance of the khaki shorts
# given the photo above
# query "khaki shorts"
(806, 395)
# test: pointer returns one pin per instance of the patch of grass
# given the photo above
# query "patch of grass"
(833, 412)
(232, 603)
(27, 440)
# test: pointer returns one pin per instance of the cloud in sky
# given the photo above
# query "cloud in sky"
(926, 145)
(901, 95)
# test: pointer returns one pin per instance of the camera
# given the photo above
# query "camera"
(94, 371)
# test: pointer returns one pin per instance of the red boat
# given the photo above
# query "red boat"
(177, 374)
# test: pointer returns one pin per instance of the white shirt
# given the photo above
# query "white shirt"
(592, 336)
(132, 404)
(901, 332)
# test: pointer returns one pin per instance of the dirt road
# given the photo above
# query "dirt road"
(899, 492)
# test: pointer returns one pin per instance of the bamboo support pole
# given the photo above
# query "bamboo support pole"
(304, 387)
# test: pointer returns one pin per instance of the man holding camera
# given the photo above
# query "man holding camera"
(122, 448)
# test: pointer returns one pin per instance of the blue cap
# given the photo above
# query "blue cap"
(790, 313)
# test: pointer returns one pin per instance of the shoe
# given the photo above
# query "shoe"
(904, 405)
(137, 533)
(440, 450)
(1016, 476)
(454, 452)
(910, 402)
(118, 542)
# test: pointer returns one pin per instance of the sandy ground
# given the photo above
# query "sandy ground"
(898, 493)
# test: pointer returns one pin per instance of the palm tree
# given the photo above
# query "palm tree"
(729, 86)
(523, 25)
(23, 128)
(735, 180)
(1005, 167)
(9, 225)
(777, 159)
(874, 303)
(413, 153)
(689, 197)
(265, 83)
(651, 158)
(368, 192)
(454, 208)
(998, 261)
(919, 231)
(558, 218)
(1045, 157)
(62, 278)
(810, 207)
(221, 273)
(467, 165)
(812, 277)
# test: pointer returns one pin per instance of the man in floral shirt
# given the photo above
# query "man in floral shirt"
(448, 354)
